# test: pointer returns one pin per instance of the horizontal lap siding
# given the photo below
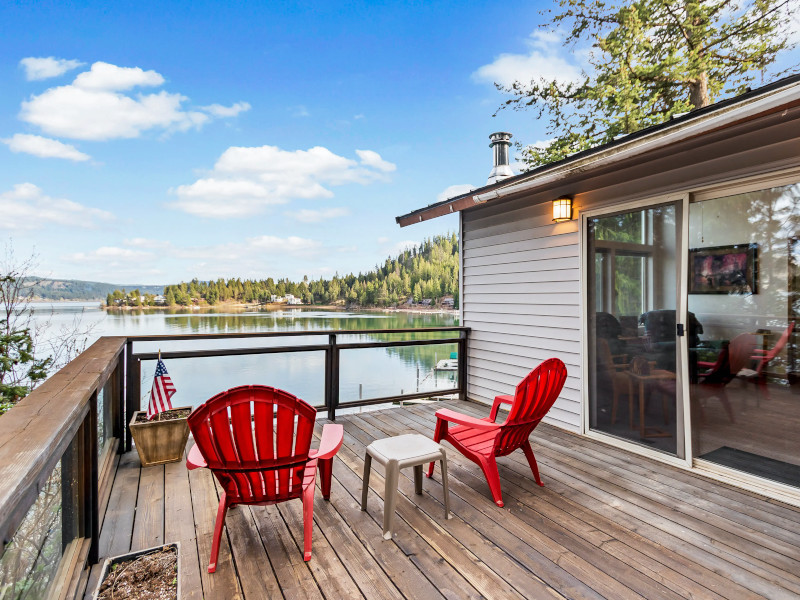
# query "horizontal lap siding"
(521, 297)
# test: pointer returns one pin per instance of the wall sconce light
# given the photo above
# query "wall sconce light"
(562, 209)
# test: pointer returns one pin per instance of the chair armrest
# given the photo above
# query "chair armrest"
(498, 400)
(705, 364)
(195, 459)
(332, 438)
(452, 416)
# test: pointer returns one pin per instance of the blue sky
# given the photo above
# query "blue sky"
(156, 142)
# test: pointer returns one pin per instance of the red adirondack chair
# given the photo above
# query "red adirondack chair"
(257, 442)
(483, 440)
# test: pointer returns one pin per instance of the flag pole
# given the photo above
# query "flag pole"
(159, 360)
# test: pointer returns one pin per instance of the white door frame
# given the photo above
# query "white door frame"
(681, 200)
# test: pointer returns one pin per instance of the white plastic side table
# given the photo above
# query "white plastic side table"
(395, 453)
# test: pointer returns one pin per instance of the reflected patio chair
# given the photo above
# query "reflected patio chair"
(483, 440)
(257, 442)
(611, 375)
(713, 383)
(761, 358)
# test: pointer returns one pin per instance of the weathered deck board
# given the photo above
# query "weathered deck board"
(606, 524)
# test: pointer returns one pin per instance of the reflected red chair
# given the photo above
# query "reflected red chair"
(714, 382)
(483, 440)
(257, 442)
(762, 358)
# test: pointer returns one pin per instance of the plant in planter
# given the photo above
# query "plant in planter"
(160, 434)
(143, 575)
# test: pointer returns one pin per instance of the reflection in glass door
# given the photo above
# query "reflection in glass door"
(633, 348)
(744, 287)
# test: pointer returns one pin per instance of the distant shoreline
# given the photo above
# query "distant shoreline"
(281, 305)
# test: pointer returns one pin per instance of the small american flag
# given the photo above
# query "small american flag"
(162, 391)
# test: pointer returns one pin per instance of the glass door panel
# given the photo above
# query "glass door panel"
(744, 288)
(632, 341)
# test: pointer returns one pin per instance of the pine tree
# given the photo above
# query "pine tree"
(649, 60)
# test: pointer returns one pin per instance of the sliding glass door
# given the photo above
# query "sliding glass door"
(744, 288)
(634, 380)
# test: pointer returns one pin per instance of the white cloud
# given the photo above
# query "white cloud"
(383, 240)
(374, 160)
(793, 16)
(403, 246)
(140, 242)
(308, 215)
(43, 147)
(105, 76)
(217, 110)
(254, 246)
(111, 255)
(26, 207)
(245, 180)
(546, 59)
(94, 107)
(44, 68)
(300, 111)
(453, 191)
(251, 256)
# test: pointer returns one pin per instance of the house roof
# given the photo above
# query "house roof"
(774, 97)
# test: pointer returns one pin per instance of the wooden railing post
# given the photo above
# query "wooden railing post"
(92, 473)
(133, 369)
(117, 400)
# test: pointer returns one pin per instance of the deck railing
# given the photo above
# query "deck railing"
(59, 446)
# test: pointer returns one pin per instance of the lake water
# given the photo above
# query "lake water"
(364, 373)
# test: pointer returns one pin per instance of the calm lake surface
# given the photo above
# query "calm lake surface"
(367, 373)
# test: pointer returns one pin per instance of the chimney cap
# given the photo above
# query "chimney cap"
(499, 136)
(501, 140)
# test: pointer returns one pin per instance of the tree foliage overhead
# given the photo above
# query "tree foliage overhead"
(649, 60)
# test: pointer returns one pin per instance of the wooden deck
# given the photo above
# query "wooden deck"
(608, 524)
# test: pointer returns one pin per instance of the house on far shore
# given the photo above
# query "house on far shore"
(290, 299)
(664, 269)
(448, 302)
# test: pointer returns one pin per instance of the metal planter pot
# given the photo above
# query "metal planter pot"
(132, 555)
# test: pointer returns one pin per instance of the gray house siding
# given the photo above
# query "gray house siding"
(522, 300)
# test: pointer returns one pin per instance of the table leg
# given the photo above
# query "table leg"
(445, 486)
(641, 408)
(630, 402)
(390, 498)
(365, 481)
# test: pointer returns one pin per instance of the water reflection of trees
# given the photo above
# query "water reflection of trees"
(31, 558)
(317, 321)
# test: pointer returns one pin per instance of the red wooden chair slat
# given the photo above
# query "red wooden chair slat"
(483, 440)
(261, 455)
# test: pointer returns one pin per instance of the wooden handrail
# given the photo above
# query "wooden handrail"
(36, 433)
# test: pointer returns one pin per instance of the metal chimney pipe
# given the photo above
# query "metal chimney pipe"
(500, 141)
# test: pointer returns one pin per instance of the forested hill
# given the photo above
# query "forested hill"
(428, 272)
(74, 289)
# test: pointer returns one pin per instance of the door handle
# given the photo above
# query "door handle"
(680, 330)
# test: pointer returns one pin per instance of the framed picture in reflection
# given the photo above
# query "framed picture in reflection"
(724, 270)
